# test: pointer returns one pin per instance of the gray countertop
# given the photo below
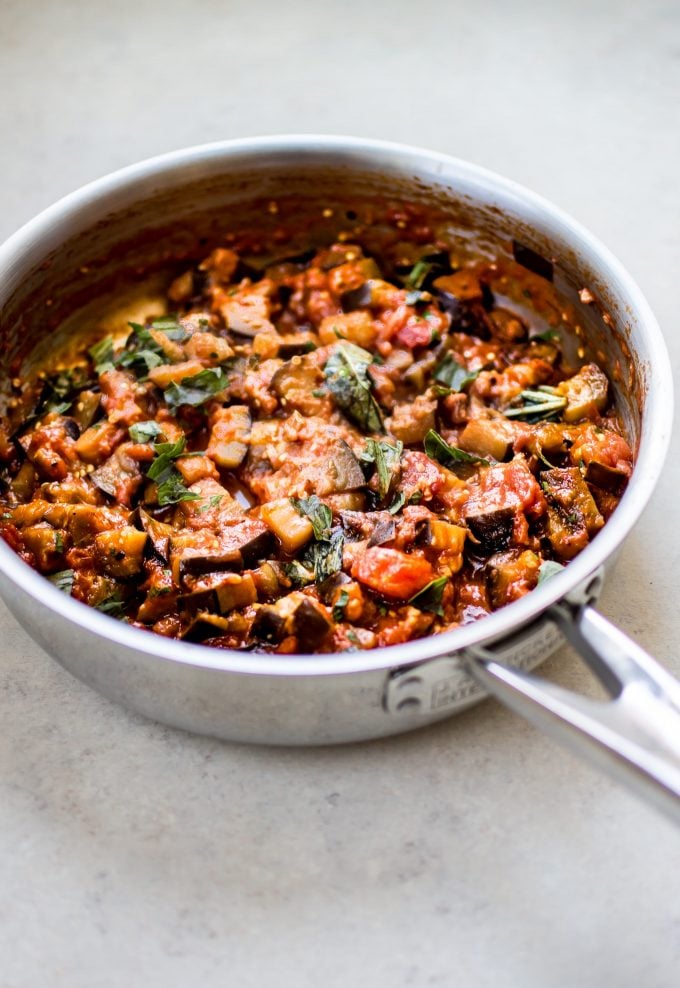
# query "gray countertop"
(472, 853)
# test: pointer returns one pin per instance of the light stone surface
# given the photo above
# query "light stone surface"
(475, 853)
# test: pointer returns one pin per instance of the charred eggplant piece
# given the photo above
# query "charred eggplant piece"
(205, 626)
(573, 516)
(311, 625)
(383, 532)
(357, 298)
(159, 533)
(269, 625)
(606, 477)
(532, 260)
(493, 529)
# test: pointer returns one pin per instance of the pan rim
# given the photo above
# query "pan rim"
(654, 440)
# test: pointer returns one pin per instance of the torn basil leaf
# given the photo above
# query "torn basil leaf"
(548, 569)
(430, 597)
(298, 574)
(398, 503)
(113, 606)
(102, 355)
(325, 556)
(340, 605)
(197, 389)
(63, 580)
(318, 513)
(451, 374)
(419, 273)
(172, 490)
(438, 449)
(387, 458)
(347, 379)
(142, 432)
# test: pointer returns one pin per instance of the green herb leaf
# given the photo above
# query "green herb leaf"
(318, 513)
(165, 454)
(298, 574)
(438, 449)
(172, 328)
(419, 273)
(450, 373)
(340, 605)
(398, 503)
(347, 378)
(548, 569)
(102, 355)
(59, 542)
(197, 389)
(172, 490)
(548, 335)
(141, 361)
(430, 597)
(113, 606)
(386, 458)
(63, 580)
(325, 556)
(143, 432)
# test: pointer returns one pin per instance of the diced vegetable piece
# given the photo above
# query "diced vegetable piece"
(47, 546)
(341, 472)
(357, 327)
(85, 408)
(586, 393)
(98, 442)
(24, 483)
(168, 374)
(573, 517)
(296, 382)
(606, 477)
(444, 536)
(392, 573)
(463, 285)
(239, 545)
(311, 625)
(158, 532)
(120, 551)
(247, 314)
(492, 529)
(290, 528)
(208, 348)
(411, 421)
(488, 437)
(169, 348)
(229, 431)
(182, 287)
(512, 575)
(205, 626)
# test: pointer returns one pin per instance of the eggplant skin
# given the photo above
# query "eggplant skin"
(493, 530)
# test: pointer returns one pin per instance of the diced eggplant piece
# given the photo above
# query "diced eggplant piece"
(269, 625)
(205, 626)
(296, 344)
(383, 532)
(229, 432)
(120, 551)
(311, 625)
(267, 580)
(512, 575)
(247, 314)
(411, 421)
(349, 501)
(223, 592)
(46, 545)
(241, 545)
(159, 533)
(342, 472)
(86, 408)
(356, 298)
(442, 535)
(586, 392)
(291, 529)
(492, 529)
(295, 383)
(606, 477)
(573, 516)
(71, 427)
(488, 437)
(24, 483)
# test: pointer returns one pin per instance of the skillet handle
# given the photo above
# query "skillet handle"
(635, 736)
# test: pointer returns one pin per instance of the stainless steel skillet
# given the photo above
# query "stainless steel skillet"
(115, 230)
